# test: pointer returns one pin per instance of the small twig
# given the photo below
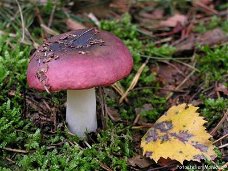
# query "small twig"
(163, 167)
(9, 34)
(87, 144)
(94, 19)
(207, 89)
(49, 30)
(105, 167)
(70, 133)
(34, 43)
(163, 58)
(216, 89)
(134, 81)
(205, 7)
(47, 105)
(119, 89)
(103, 108)
(51, 16)
(71, 143)
(15, 150)
(219, 124)
(190, 66)
(181, 84)
(224, 136)
(224, 145)
(146, 33)
(55, 145)
(158, 88)
(175, 67)
(165, 40)
(223, 167)
(136, 119)
(22, 21)
(10, 160)
(142, 126)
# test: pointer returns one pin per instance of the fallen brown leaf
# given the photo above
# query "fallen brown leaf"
(121, 6)
(212, 37)
(113, 114)
(175, 30)
(174, 20)
(167, 162)
(222, 88)
(170, 75)
(139, 161)
(156, 14)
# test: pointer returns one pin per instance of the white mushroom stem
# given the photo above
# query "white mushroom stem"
(81, 111)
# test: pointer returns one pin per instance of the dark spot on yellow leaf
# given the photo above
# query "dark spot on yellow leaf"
(148, 153)
(201, 147)
(152, 135)
(164, 138)
(180, 151)
(183, 136)
(198, 157)
(164, 126)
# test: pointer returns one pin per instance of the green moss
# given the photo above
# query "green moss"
(214, 109)
(215, 22)
(111, 145)
(213, 64)
(225, 26)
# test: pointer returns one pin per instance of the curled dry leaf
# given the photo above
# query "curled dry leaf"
(174, 20)
(179, 135)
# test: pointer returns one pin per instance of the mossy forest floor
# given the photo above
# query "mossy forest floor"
(185, 58)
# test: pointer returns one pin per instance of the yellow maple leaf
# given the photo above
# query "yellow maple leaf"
(179, 135)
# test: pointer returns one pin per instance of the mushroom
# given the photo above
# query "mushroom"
(78, 61)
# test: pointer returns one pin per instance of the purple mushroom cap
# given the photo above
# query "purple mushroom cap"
(79, 59)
